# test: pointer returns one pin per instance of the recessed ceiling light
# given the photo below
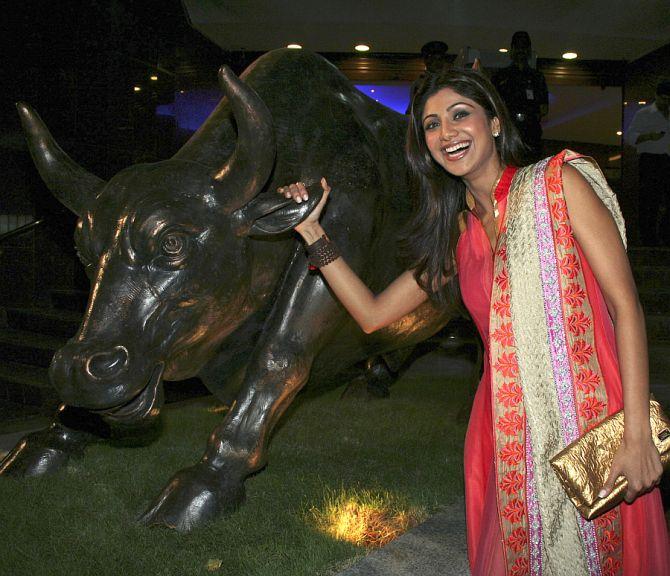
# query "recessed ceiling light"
(294, 46)
(503, 50)
(154, 78)
(642, 102)
(361, 48)
(619, 132)
(136, 88)
(372, 91)
(570, 55)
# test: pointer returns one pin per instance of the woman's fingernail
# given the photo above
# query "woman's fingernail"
(602, 493)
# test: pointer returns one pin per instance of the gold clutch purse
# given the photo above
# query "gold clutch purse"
(583, 466)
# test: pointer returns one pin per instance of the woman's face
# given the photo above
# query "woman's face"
(458, 133)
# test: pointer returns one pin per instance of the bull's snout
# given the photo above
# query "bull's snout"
(107, 364)
(96, 376)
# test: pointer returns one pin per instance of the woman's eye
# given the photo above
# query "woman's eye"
(173, 244)
(430, 126)
(460, 114)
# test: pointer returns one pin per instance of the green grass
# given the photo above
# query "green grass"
(82, 521)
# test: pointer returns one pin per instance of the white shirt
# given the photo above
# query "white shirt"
(649, 119)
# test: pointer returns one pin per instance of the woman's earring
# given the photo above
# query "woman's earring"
(496, 134)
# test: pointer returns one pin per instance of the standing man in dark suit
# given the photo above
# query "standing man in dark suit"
(524, 90)
(434, 54)
(649, 132)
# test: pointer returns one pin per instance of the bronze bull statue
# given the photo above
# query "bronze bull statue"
(195, 271)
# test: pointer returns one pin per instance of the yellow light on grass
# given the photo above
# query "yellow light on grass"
(294, 46)
(365, 519)
(137, 89)
(153, 78)
(570, 55)
(362, 48)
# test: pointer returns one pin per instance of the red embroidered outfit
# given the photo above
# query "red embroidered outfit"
(550, 373)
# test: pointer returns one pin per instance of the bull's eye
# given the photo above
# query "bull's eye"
(173, 244)
(173, 247)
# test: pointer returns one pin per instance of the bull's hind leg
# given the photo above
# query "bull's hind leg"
(300, 323)
(377, 374)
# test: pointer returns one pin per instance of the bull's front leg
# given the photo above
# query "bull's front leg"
(48, 451)
(298, 326)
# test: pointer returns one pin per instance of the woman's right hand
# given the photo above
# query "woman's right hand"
(299, 193)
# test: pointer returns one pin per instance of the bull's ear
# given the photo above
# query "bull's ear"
(271, 213)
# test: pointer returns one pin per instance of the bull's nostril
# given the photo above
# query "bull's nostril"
(107, 364)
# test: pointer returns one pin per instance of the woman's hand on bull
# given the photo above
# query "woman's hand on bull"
(309, 228)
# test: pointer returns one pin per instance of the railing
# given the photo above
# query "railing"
(21, 230)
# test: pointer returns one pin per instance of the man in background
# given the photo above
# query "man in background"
(649, 132)
(434, 54)
(524, 91)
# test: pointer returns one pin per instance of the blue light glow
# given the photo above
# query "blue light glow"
(393, 96)
(190, 109)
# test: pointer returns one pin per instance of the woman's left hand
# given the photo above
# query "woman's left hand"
(640, 463)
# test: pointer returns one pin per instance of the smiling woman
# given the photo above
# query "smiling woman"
(540, 260)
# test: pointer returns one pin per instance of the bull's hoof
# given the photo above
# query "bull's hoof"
(193, 497)
(44, 452)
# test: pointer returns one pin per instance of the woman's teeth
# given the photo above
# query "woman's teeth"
(456, 148)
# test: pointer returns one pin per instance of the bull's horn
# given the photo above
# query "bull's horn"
(69, 182)
(247, 170)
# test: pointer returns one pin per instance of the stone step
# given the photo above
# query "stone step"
(74, 300)
(648, 278)
(659, 371)
(28, 347)
(655, 302)
(658, 327)
(44, 320)
(659, 359)
(640, 256)
(26, 385)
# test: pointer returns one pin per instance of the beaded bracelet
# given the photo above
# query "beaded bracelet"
(322, 252)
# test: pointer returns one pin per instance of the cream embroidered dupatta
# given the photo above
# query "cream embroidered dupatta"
(547, 385)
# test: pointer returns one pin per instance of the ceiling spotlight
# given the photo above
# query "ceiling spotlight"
(570, 55)
(294, 46)
(154, 78)
(642, 102)
(503, 50)
(136, 88)
(372, 90)
(619, 132)
(362, 48)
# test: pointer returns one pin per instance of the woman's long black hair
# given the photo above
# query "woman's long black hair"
(430, 242)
